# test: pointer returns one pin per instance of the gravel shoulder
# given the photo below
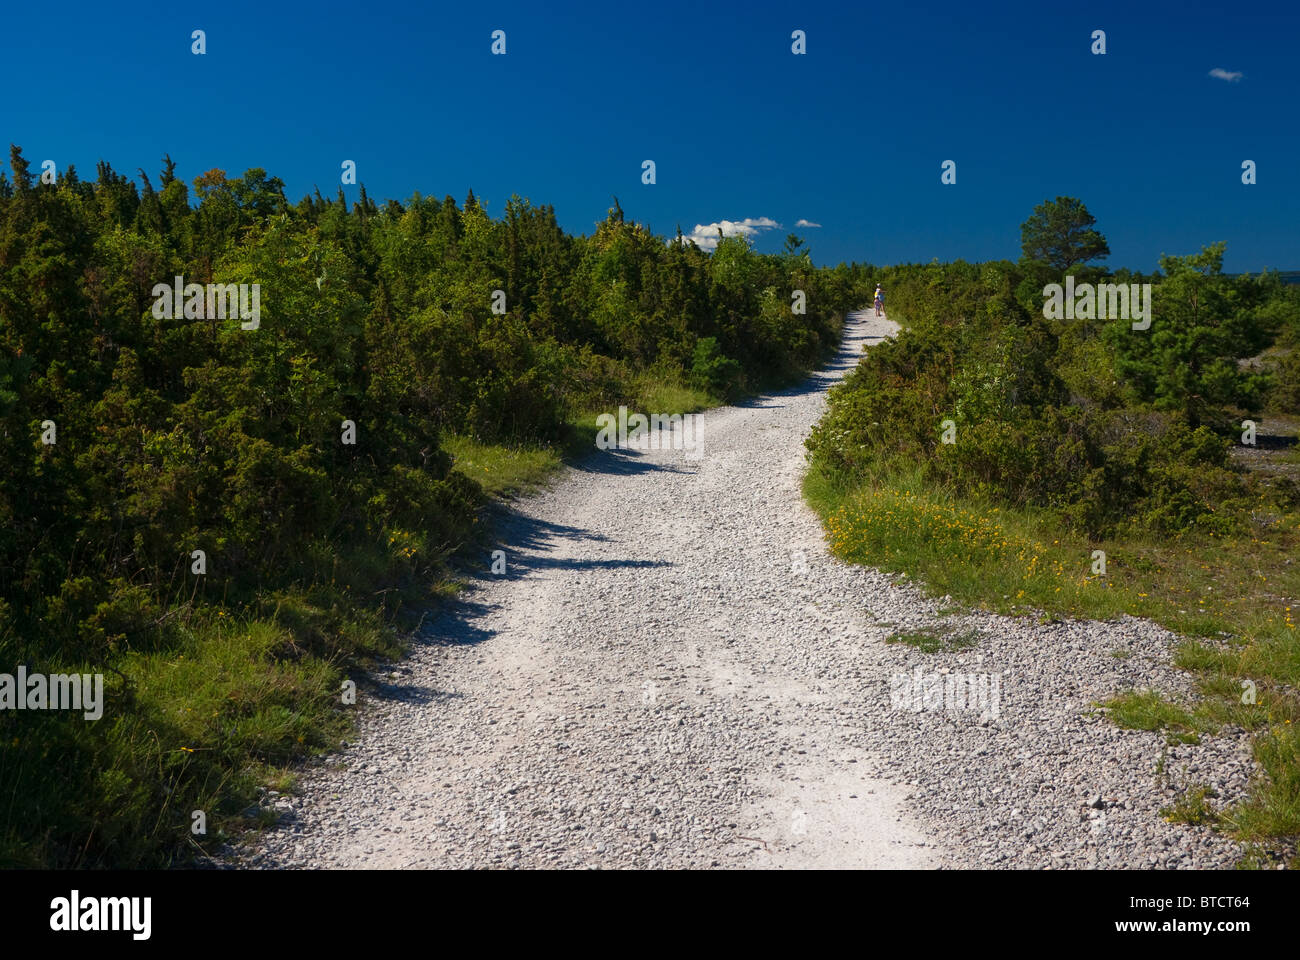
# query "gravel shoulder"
(672, 672)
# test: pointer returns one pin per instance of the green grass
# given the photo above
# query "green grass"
(504, 471)
(932, 640)
(1232, 598)
(1192, 809)
(199, 725)
(648, 395)
(658, 396)
(1149, 710)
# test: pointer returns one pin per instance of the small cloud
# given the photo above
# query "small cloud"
(1232, 76)
(705, 236)
(805, 223)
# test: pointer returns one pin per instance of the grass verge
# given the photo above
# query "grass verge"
(1231, 598)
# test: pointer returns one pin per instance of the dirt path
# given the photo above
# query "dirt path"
(673, 673)
(611, 700)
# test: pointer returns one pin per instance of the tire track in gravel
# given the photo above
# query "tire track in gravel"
(674, 673)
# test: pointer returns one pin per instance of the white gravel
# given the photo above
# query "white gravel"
(674, 673)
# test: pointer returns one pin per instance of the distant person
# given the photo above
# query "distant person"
(880, 299)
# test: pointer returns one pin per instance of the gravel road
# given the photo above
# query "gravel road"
(672, 672)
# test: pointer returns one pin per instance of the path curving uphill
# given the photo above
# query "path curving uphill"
(674, 673)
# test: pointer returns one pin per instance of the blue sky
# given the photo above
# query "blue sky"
(850, 136)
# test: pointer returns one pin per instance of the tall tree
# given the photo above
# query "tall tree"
(1060, 234)
(19, 165)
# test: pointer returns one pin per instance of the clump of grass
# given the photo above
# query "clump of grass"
(1191, 808)
(1150, 710)
(664, 396)
(655, 392)
(963, 640)
(503, 470)
(935, 640)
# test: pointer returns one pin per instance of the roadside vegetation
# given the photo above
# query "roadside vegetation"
(1096, 471)
(192, 434)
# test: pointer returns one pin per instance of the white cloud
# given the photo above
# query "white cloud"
(706, 235)
(1232, 76)
(805, 223)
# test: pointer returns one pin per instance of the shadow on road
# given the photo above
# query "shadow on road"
(617, 462)
(529, 543)
(845, 360)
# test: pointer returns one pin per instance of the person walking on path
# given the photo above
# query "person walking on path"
(880, 299)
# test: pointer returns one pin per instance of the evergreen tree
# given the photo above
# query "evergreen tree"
(1060, 234)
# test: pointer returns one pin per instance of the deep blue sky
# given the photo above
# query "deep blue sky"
(850, 136)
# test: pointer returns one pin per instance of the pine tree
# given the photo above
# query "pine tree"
(19, 166)
(1060, 234)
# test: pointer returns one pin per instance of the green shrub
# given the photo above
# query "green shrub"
(713, 371)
